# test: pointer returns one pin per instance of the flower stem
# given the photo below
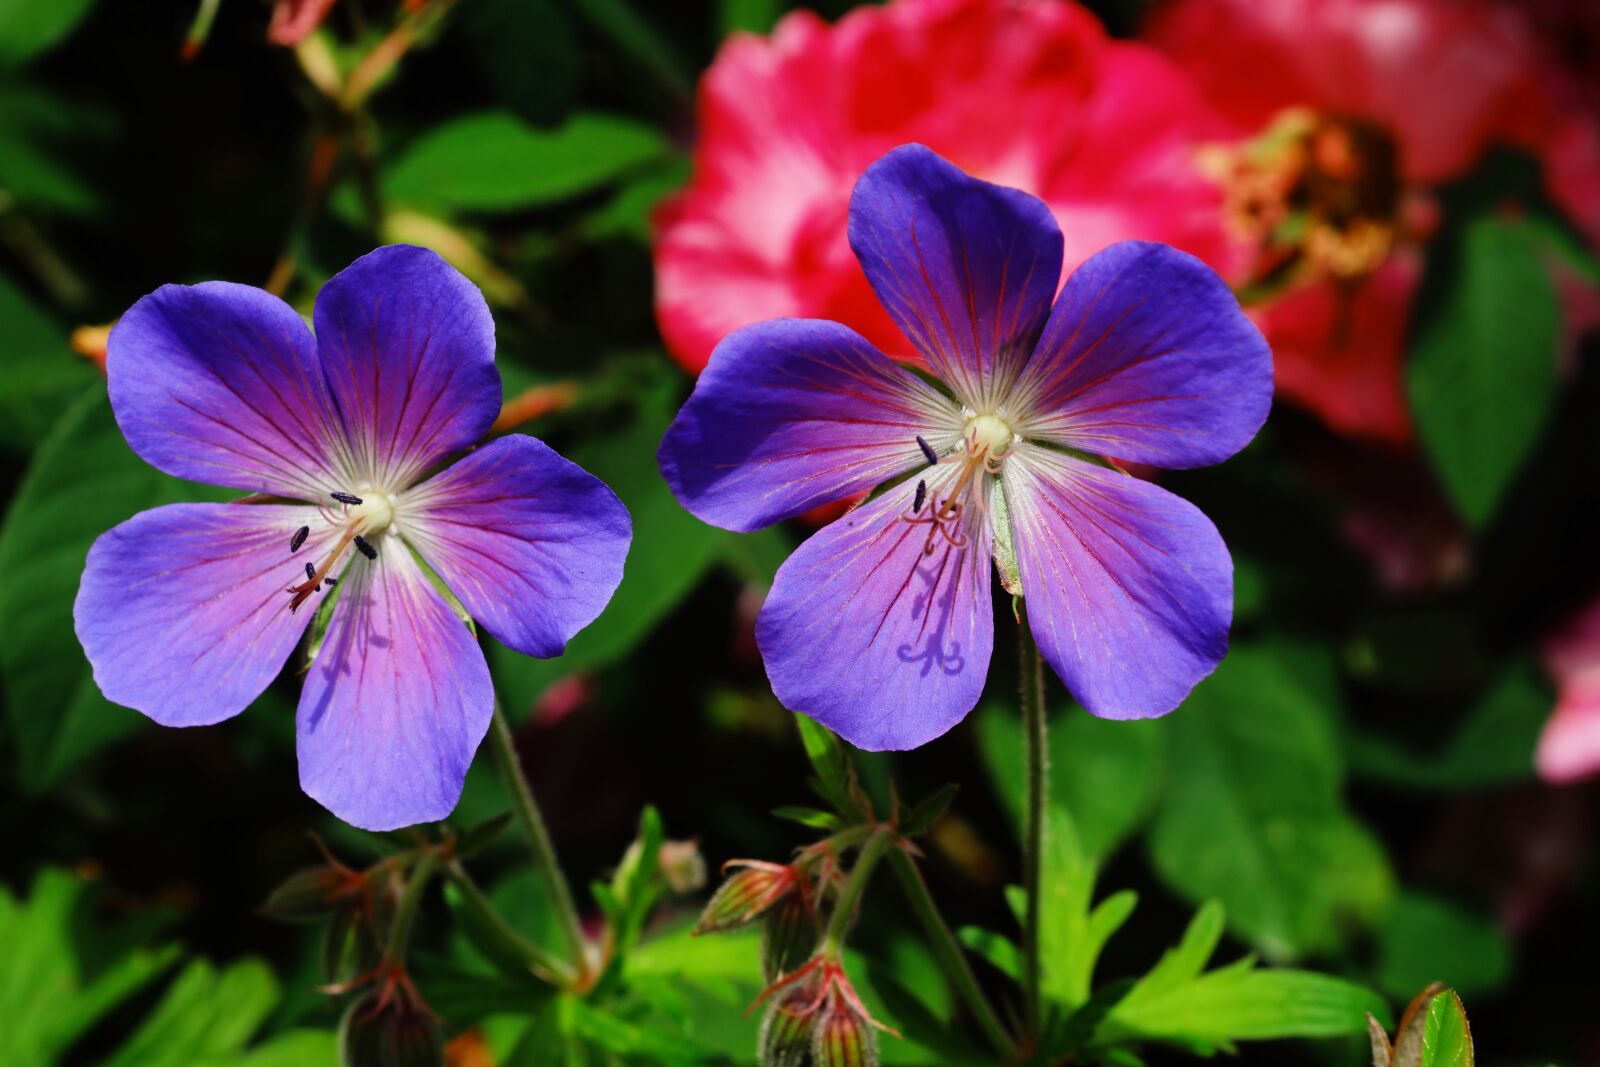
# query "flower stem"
(844, 906)
(949, 953)
(405, 912)
(544, 853)
(1036, 765)
(545, 963)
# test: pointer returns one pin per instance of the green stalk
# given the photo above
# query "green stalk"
(544, 962)
(545, 863)
(1036, 767)
(850, 895)
(405, 912)
(949, 953)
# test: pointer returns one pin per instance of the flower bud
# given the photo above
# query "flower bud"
(842, 1037)
(390, 1027)
(788, 935)
(786, 1032)
(313, 893)
(682, 866)
(745, 895)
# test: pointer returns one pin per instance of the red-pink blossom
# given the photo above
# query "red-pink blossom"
(1348, 113)
(1569, 747)
(1032, 95)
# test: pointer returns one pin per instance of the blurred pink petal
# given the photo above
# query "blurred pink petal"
(1033, 95)
(293, 20)
(1569, 748)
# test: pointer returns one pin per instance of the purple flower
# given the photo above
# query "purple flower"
(188, 611)
(881, 625)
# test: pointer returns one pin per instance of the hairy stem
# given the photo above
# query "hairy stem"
(544, 853)
(949, 953)
(405, 913)
(1036, 766)
(544, 962)
(844, 906)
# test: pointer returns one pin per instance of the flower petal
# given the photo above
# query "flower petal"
(407, 344)
(1129, 588)
(872, 635)
(1148, 358)
(794, 413)
(965, 268)
(531, 543)
(220, 383)
(396, 702)
(182, 611)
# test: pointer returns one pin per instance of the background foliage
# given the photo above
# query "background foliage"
(1352, 791)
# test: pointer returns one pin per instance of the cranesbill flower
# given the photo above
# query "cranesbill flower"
(1032, 94)
(187, 612)
(881, 625)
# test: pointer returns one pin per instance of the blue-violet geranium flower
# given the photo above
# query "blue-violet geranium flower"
(881, 624)
(187, 612)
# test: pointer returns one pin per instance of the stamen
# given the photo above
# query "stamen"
(346, 498)
(366, 549)
(921, 498)
(311, 573)
(299, 538)
(927, 450)
(331, 581)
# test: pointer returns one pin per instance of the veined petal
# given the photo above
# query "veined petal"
(881, 628)
(220, 383)
(794, 413)
(1147, 357)
(396, 702)
(407, 345)
(965, 268)
(182, 611)
(1129, 588)
(531, 543)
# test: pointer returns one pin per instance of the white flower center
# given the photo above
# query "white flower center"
(374, 514)
(989, 434)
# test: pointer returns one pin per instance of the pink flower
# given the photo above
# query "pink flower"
(1347, 113)
(1030, 95)
(1569, 747)
(294, 20)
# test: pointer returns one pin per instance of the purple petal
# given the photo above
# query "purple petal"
(1129, 589)
(220, 383)
(1148, 358)
(532, 544)
(396, 702)
(407, 344)
(182, 610)
(876, 638)
(793, 413)
(965, 268)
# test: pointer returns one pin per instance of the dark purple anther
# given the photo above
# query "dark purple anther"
(299, 538)
(927, 450)
(331, 581)
(311, 572)
(366, 549)
(921, 498)
(345, 498)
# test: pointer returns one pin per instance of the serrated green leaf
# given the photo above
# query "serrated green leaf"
(205, 1016)
(82, 481)
(493, 161)
(1481, 376)
(1253, 815)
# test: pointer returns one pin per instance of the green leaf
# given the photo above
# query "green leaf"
(48, 996)
(493, 161)
(928, 810)
(1001, 952)
(671, 551)
(1494, 743)
(815, 818)
(1106, 774)
(205, 1017)
(1425, 939)
(751, 16)
(638, 39)
(1481, 376)
(1253, 815)
(29, 28)
(39, 376)
(82, 481)
(1447, 1040)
